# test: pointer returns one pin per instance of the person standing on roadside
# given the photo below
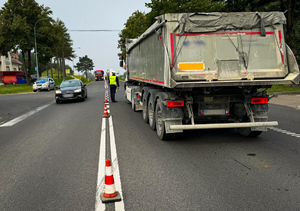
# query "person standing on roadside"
(114, 84)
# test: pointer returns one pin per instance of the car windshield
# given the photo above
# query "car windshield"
(69, 84)
(42, 80)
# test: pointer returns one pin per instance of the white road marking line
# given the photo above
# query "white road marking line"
(99, 206)
(24, 116)
(119, 206)
(285, 132)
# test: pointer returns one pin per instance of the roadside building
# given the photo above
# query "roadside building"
(10, 63)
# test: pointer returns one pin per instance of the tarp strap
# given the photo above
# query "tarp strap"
(262, 24)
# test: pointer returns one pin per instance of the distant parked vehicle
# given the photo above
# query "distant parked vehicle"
(72, 89)
(43, 83)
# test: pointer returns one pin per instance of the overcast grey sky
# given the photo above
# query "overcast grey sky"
(101, 47)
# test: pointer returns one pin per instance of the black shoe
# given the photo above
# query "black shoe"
(115, 101)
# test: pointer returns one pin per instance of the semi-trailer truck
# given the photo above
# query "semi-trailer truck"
(208, 70)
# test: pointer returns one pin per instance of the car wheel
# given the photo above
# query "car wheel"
(34, 90)
(57, 101)
(86, 95)
(49, 88)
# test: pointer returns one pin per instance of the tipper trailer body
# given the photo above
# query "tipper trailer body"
(208, 70)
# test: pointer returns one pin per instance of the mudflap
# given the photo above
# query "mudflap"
(172, 116)
(172, 122)
(260, 114)
(135, 92)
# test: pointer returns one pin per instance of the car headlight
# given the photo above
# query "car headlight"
(77, 90)
(34, 85)
(58, 92)
(45, 84)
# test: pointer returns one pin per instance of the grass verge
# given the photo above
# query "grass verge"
(283, 88)
(24, 88)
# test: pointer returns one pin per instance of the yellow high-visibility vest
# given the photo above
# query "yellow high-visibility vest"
(113, 80)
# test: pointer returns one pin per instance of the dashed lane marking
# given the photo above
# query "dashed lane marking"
(22, 117)
(285, 132)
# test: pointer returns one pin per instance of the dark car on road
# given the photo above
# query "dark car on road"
(72, 89)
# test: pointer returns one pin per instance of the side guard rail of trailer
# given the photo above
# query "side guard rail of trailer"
(224, 125)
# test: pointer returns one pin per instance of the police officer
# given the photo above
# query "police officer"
(114, 84)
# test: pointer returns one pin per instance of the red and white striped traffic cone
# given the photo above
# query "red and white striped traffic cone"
(106, 115)
(110, 194)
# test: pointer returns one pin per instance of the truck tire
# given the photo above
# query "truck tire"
(247, 132)
(160, 124)
(145, 109)
(151, 113)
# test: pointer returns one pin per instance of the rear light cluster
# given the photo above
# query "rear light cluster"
(171, 104)
(259, 100)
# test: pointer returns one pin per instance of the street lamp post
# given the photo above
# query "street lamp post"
(36, 57)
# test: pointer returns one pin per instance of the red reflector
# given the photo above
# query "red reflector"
(138, 95)
(175, 103)
(259, 100)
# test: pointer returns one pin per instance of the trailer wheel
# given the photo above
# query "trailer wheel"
(247, 132)
(151, 113)
(145, 109)
(160, 124)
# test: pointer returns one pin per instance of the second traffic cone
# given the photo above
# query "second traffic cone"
(106, 115)
(110, 194)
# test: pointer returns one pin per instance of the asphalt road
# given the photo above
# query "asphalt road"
(49, 161)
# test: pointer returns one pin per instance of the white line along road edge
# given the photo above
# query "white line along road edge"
(119, 206)
(99, 206)
(22, 117)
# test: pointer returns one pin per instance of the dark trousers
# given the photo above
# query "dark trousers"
(113, 89)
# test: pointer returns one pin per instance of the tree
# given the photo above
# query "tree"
(18, 18)
(134, 27)
(85, 64)
(63, 47)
